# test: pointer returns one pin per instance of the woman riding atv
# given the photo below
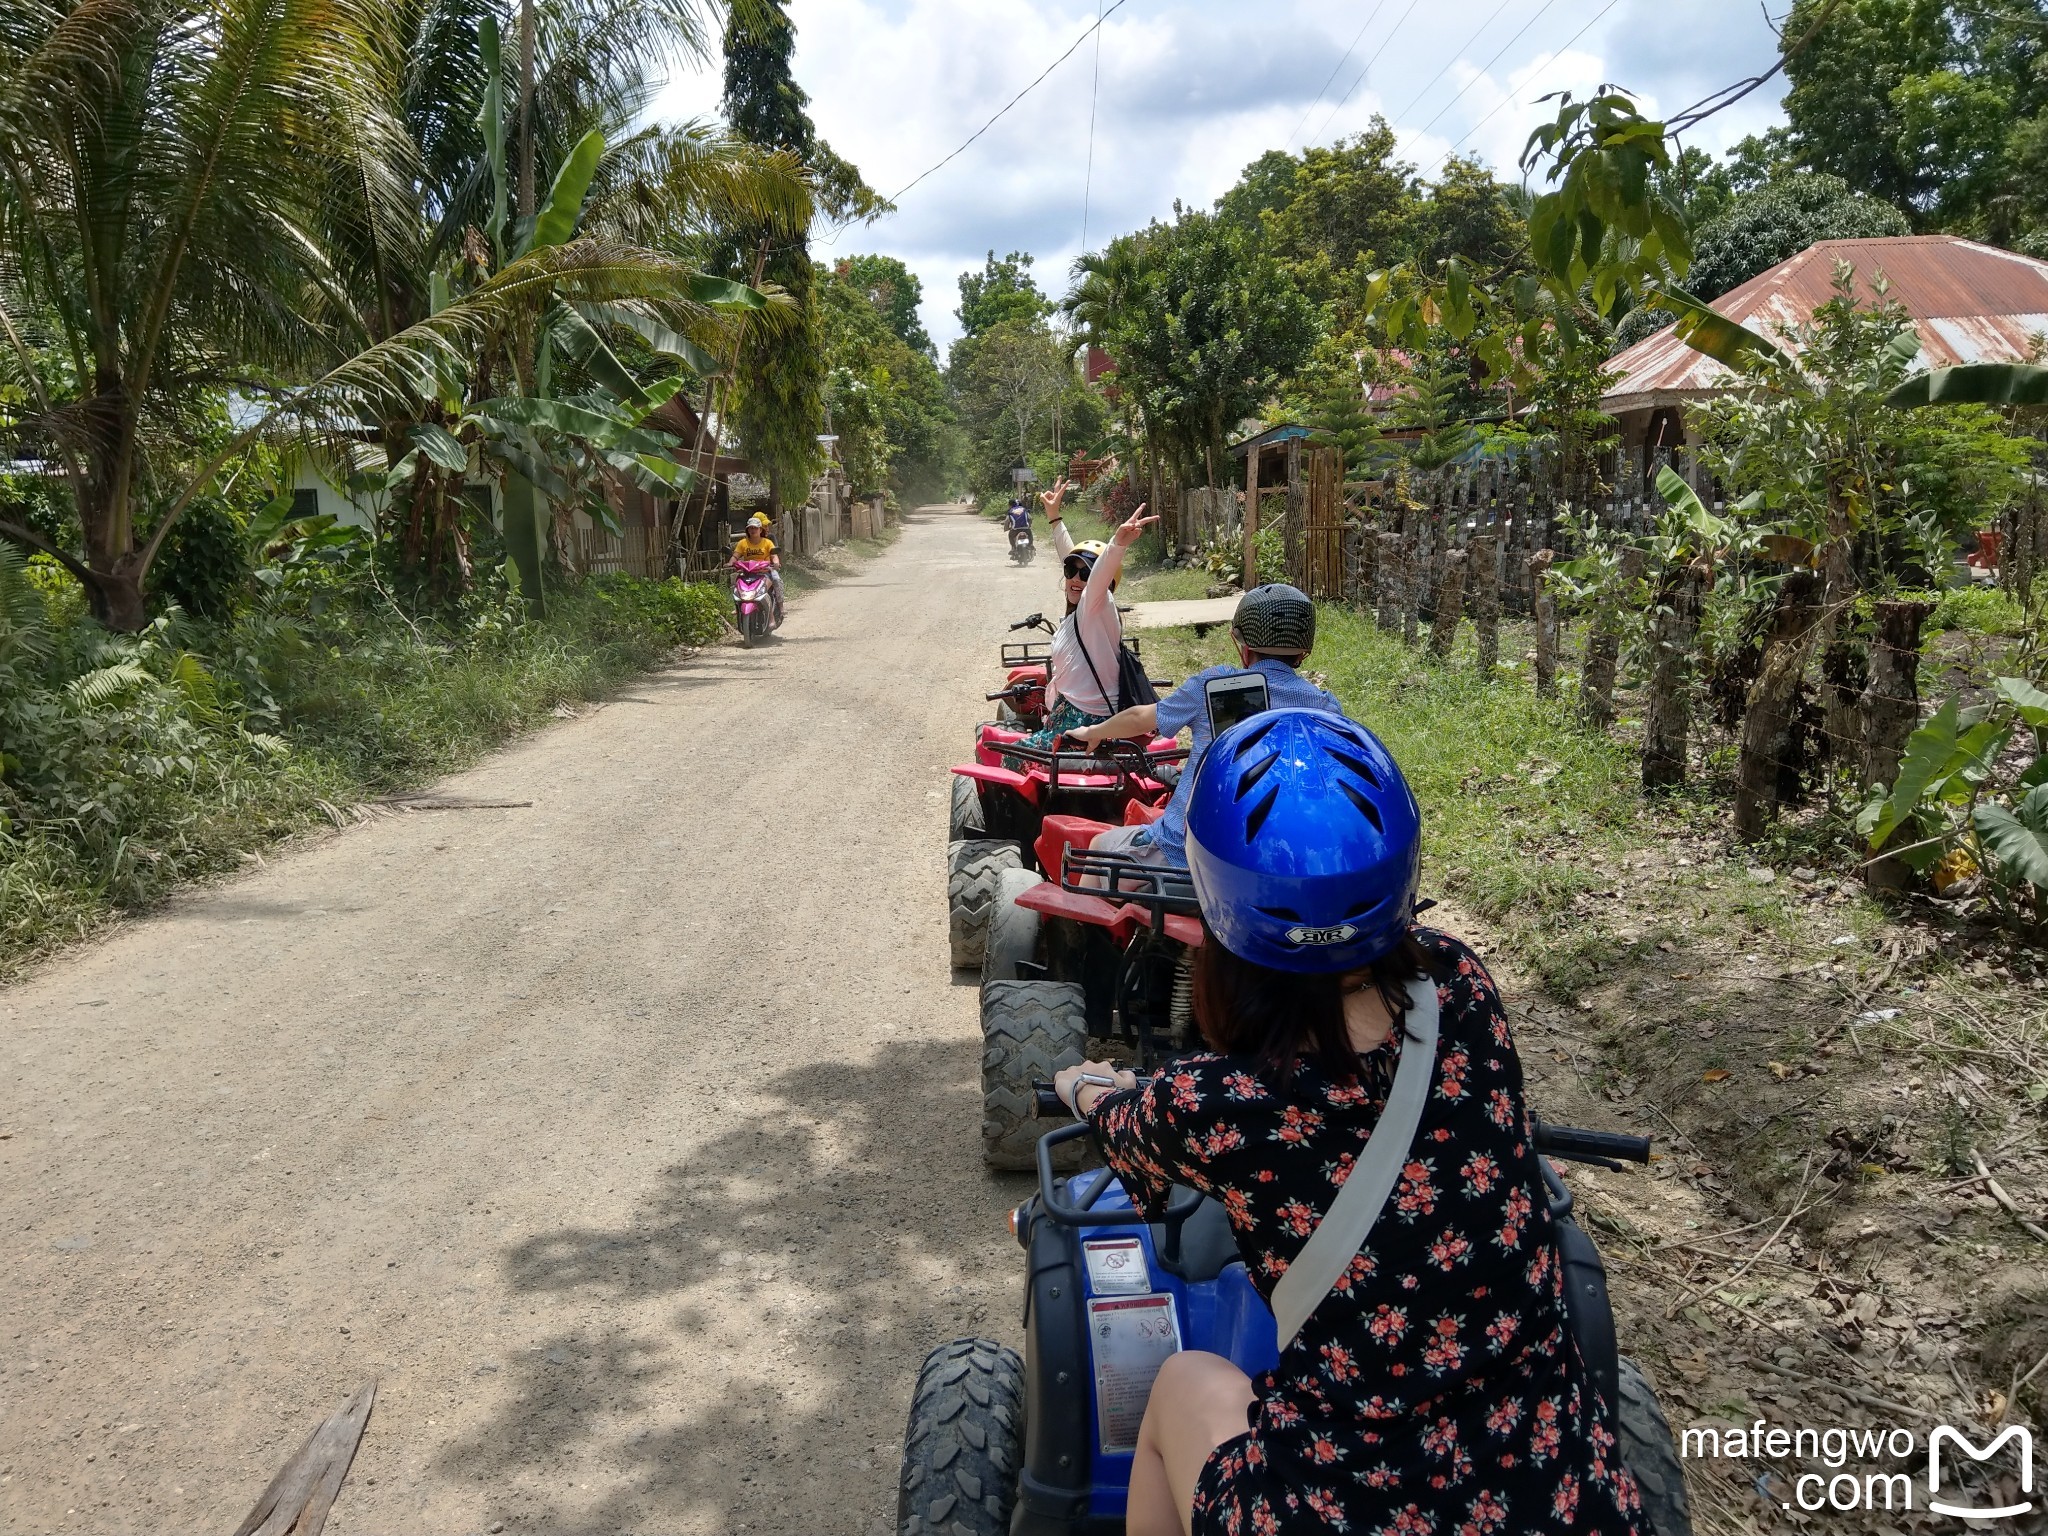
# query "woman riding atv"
(1433, 1383)
(1081, 680)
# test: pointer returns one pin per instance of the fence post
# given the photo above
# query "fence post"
(1667, 712)
(1483, 552)
(1770, 709)
(1297, 516)
(1450, 603)
(1412, 570)
(1544, 601)
(1891, 699)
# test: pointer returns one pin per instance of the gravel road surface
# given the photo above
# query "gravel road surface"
(629, 1140)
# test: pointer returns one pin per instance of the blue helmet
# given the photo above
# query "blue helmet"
(1304, 843)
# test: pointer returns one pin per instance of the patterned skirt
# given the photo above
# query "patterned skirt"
(1065, 717)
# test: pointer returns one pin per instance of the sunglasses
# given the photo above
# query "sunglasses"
(1078, 569)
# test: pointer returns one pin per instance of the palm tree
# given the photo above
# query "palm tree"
(1104, 298)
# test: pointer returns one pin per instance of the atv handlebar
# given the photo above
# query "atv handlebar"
(1180, 1204)
(1035, 621)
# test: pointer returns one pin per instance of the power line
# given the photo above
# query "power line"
(1506, 99)
(1371, 16)
(1094, 96)
(1547, 4)
(1504, 4)
(1034, 85)
(1332, 116)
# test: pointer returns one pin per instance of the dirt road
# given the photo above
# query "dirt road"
(629, 1140)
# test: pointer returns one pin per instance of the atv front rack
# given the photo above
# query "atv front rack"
(1027, 653)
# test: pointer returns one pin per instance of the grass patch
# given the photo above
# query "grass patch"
(137, 763)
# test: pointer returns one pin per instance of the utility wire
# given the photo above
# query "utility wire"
(1094, 96)
(1371, 16)
(1034, 85)
(1507, 99)
(1547, 4)
(1332, 116)
(1504, 4)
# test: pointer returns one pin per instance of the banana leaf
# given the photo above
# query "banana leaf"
(556, 223)
(1706, 330)
(1974, 384)
(440, 445)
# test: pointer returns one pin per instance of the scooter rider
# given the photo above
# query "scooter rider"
(1434, 1383)
(1084, 648)
(1275, 629)
(755, 545)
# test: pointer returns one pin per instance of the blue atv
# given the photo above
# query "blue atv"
(1043, 1445)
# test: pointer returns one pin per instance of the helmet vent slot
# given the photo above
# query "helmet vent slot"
(1256, 735)
(1285, 914)
(1357, 765)
(1260, 812)
(1249, 779)
(1366, 808)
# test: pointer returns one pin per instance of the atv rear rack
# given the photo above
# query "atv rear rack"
(1119, 766)
(1119, 877)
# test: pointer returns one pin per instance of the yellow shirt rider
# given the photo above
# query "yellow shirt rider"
(755, 544)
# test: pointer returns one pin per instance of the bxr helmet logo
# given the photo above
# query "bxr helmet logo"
(2026, 1449)
(1304, 938)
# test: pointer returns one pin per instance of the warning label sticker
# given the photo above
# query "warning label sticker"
(1133, 1336)
(1116, 1267)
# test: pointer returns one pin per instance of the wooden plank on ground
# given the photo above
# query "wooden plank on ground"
(298, 1499)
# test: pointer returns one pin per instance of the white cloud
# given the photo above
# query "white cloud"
(1192, 91)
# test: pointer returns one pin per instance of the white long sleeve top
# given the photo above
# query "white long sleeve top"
(1094, 624)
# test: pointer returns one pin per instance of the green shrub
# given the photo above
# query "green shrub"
(688, 612)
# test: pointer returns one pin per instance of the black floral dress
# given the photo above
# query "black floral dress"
(1437, 1391)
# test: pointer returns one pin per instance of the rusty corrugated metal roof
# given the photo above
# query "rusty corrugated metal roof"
(1971, 304)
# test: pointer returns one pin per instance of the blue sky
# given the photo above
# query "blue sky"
(1193, 90)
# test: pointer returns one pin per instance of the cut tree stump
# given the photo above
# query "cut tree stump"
(1667, 704)
(1484, 580)
(298, 1498)
(1450, 604)
(1768, 712)
(1388, 571)
(1544, 601)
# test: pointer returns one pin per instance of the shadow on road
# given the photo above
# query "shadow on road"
(816, 1244)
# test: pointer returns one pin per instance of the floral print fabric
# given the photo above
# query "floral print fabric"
(1437, 1390)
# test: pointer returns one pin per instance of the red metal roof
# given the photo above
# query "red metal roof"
(1971, 304)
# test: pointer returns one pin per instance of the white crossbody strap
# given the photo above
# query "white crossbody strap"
(1344, 1229)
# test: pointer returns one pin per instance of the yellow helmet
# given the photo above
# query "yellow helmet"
(1091, 550)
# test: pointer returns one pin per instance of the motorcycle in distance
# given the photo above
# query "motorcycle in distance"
(1023, 543)
(755, 609)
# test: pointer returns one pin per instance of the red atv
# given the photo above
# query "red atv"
(1026, 663)
(1100, 947)
(998, 812)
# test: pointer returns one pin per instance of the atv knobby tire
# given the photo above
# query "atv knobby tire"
(1029, 1030)
(966, 819)
(1010, 949)
(965, 1444)
(1648, 1451)
(972, 869)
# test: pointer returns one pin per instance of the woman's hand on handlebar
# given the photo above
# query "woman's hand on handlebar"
(1132, 528)
(1070, 1081)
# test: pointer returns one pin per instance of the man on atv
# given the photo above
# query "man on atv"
(755, 545)
(1082, 678)
(1275, 629)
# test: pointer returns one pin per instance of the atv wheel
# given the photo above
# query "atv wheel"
(965, 820)
(1010, 951)
(972, 869)
(1648, 1451)
(965, 1443)
(1029, 1031)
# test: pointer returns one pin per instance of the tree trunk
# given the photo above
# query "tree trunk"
(1544, 601)
(1891, 699)
(1485, 580)
(1450, 605)
(1391, 588)
(1361, 555)
(1768, 713)
(1250, 527)
(1667, 712)
(1603, 650)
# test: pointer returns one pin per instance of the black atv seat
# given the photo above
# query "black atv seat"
(1205, 1244)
